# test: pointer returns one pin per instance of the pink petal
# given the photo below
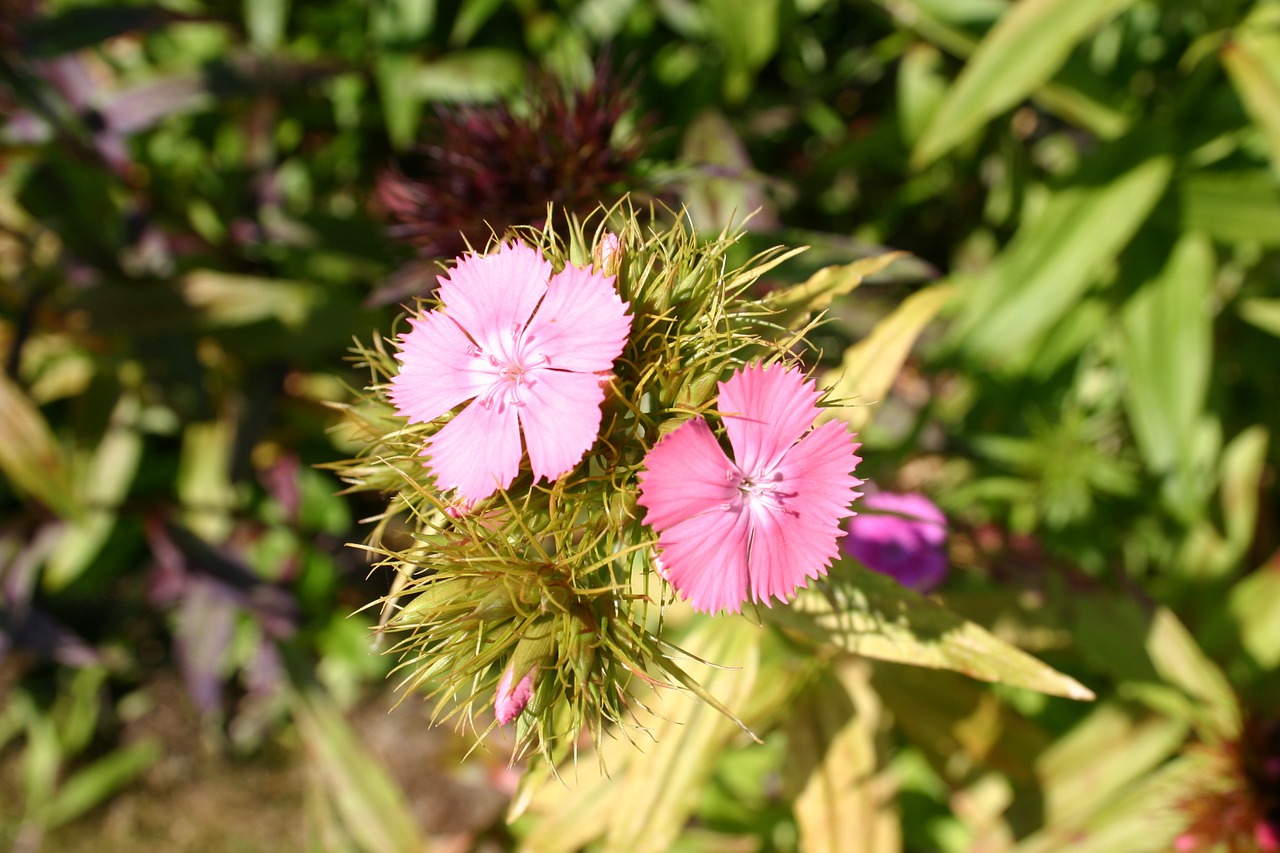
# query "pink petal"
(478, 452)
(797, 541)
(786, 550)
(491, 296)
(765, 410)
(686, 474)
(705, 559)
(561, 419)
(509, 702)
(581, 324)
(436, 373)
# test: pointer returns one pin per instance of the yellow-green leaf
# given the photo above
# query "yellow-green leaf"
(873, 615)
(797, 303)
(869, 367)
(29, 456)
(1252, 60)
(844, 798)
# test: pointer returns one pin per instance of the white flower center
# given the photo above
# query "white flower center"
(762, 489)
(512, 368)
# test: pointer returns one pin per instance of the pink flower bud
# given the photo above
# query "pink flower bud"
(608, 254)
(508, 702)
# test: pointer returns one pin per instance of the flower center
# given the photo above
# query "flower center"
(512, 369)
(762, 489)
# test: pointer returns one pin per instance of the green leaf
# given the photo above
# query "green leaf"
(227, 299)
(99, 781)
(477, 75)
(1054, 258)
(102, 485)
(873, 615)
(659, 791)
(945, 23)
(401, 103)
(471, 17)
(1263, 313)
(842, 796)
(1232, 207)
(797, 303)
(921, 87)
(29, 457)
(1143, 818)
(869, 367)
(365, 804)
(1244, 461)
(265, 21)
(1167, 351)
(1024, 49)
(747, 32)
(1157, 662)
(402, 23)
(1254, 604)
(1252, 60)
(1085, 769)
(720, 185)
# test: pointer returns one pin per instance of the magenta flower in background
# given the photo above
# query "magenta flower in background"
(509, 701)
(900, 535)
(526, 351)
(757, 526)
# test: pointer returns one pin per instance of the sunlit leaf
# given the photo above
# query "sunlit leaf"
(873, 615)
(659, 789)
(367, 805)
(1023, 50)
(1263, 313)
(1083, 770)
(226, 299)
(1056, 257)
(103, 485)
(1255, 606)
(1168, 351)
(1252, 60)
(869, 367)
(843, 795)
(796, 303)
(97, 782)
(1232, 207)
(1143, 818)
(29, 456)
(476, 75)
(265, 20)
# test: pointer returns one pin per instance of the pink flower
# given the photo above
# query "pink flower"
(508, 702)
(900, 535)
(525, 349)
(758, 526)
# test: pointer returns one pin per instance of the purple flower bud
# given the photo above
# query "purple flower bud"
(508, 703)
(900, 535)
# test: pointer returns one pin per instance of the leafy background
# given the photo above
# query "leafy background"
(202, 203)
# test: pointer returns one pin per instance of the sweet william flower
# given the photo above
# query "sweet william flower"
(525, 350)
(900, 535)
(758, 526)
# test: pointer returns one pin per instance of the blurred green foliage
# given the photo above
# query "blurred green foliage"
(188, 245)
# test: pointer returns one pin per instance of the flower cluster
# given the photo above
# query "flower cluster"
(576, 433)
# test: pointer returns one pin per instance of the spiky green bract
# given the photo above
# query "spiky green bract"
(556, 579)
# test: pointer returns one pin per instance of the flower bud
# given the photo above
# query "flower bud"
(608, 254)
(509, 701)
(534, 650)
